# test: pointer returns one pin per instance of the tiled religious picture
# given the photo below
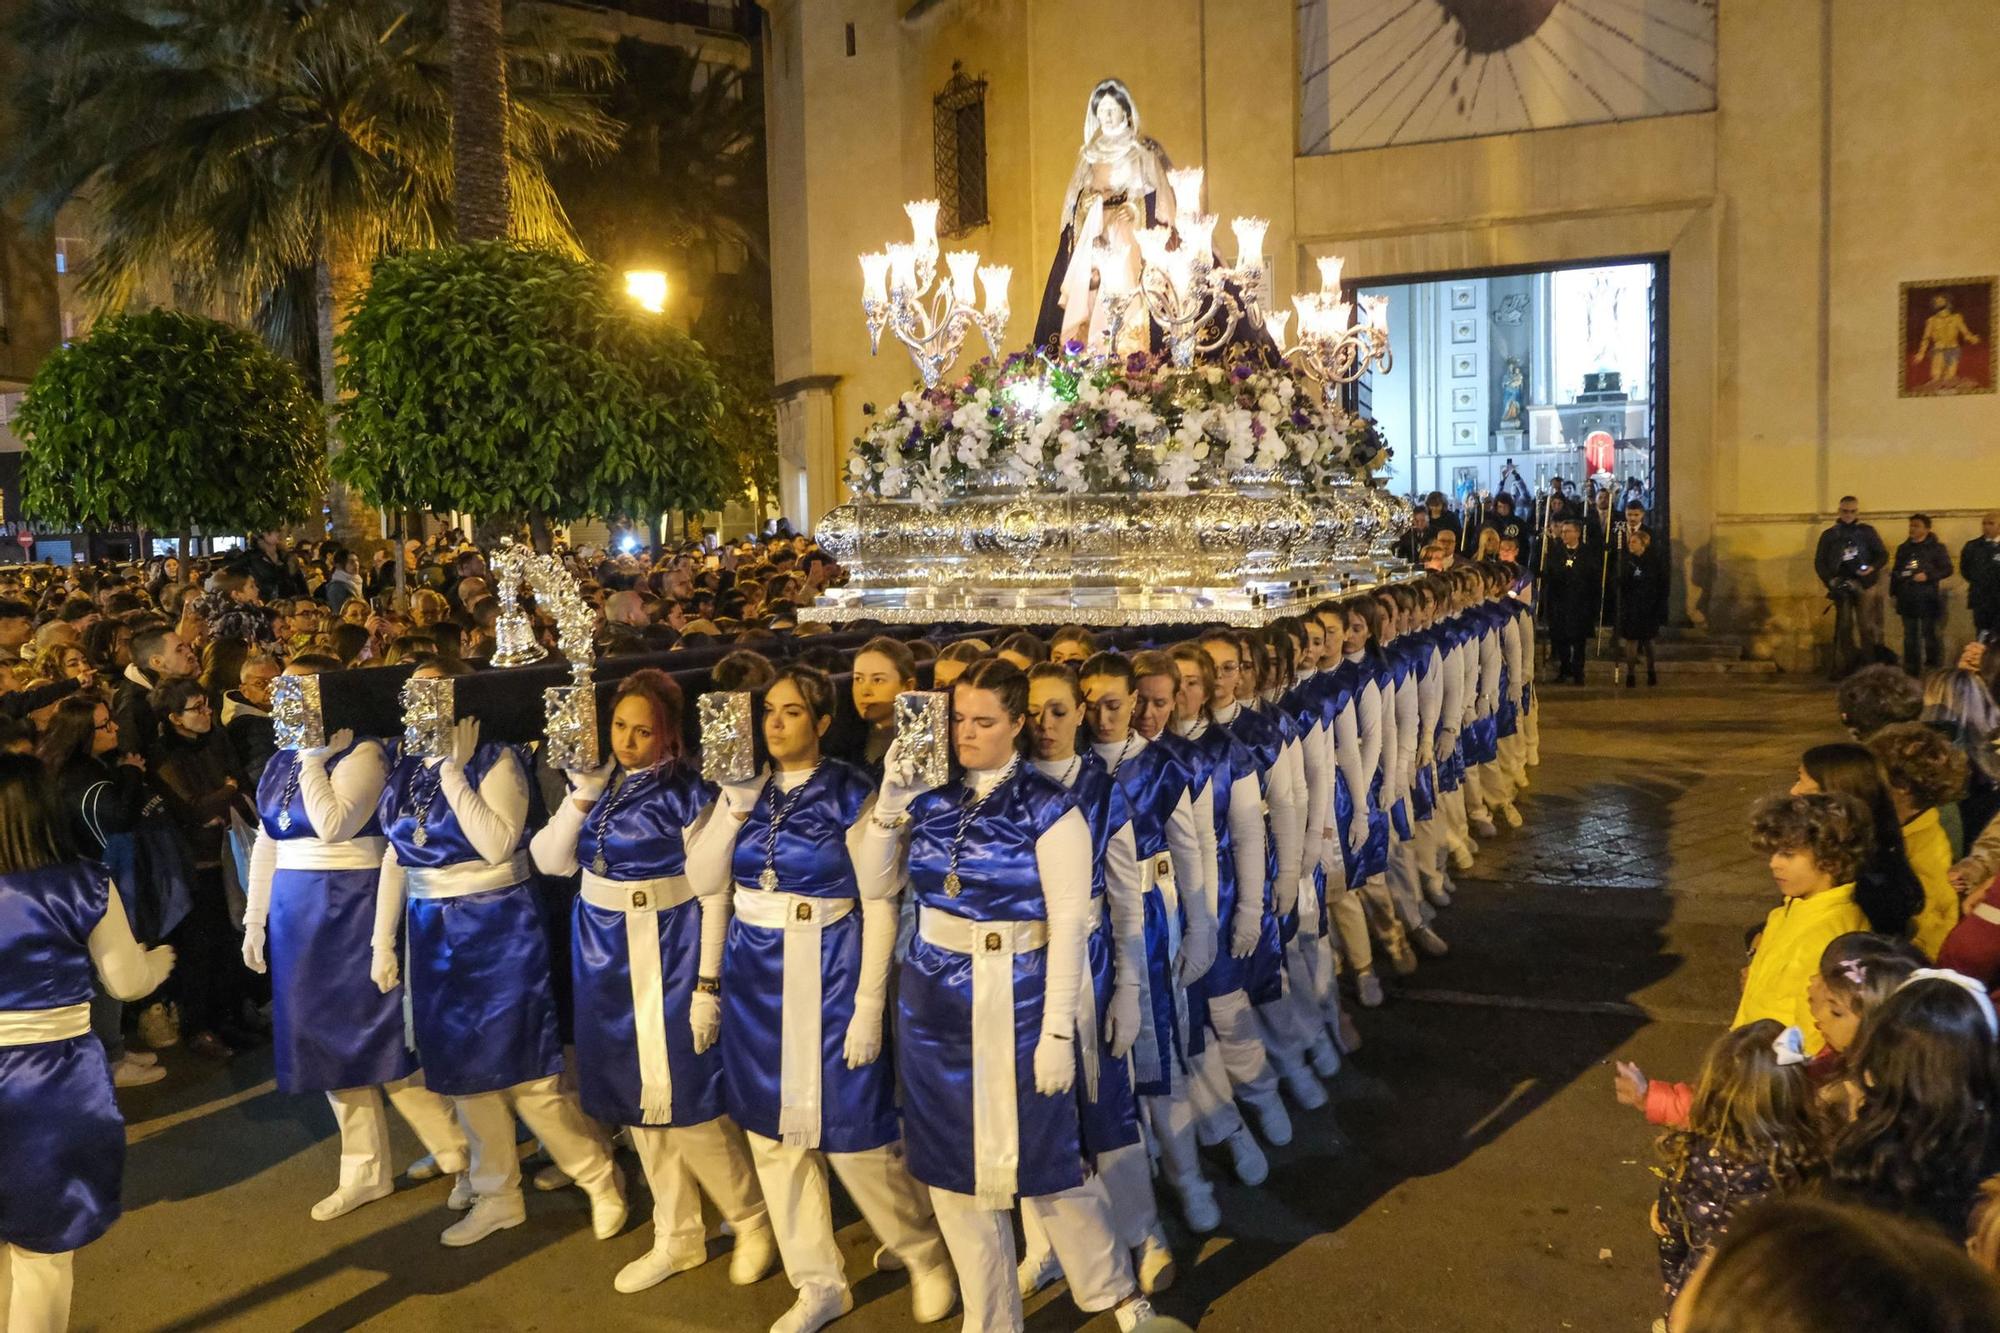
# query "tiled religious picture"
(1947, 338)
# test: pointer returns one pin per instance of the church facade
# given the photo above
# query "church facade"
(1791, 166)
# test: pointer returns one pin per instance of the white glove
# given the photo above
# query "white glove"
(1245, 925)
(335, 744)
(1308, 905)
(1055, 1065)
(1357, 830)
(1447, 741)
(705, 1019)
(1121, 1021)
(741, 797)
(589, 784)
(900, 783)
(864, 1035)
(464, 740)
(253, 946)
(384, 971)
(1197, 953)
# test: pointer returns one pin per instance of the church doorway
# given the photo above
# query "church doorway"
(1512, 379)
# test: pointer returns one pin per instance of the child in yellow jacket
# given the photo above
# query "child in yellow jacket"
(1925, 771)
(1815, 844)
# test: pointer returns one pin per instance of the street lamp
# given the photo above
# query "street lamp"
(647, 286)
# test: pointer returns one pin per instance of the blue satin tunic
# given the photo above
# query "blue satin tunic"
(1000, 881)
(1152, 783)
(331, 1028)
(1263, 735)
(857, 1106)
(62, 1140)
(1227, 761)
(1197, 766)
(1111, 1119)
(640, 837)
(482, 993)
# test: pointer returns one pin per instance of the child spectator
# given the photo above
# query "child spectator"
(1927, 1129)
(1856, 973)
(1816, 845)
(1924, 771)
(1752, 1131)
(1886, 889)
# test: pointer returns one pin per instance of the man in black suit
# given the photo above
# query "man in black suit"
(1570, 592)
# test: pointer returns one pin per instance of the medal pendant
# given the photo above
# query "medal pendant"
(952, 884)
(284, 821)
(767, 879)
(598, 865)
(421, 836)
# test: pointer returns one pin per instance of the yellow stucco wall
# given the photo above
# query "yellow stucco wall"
(1852, 149)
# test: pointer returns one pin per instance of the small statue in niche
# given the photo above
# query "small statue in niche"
(1513, 396)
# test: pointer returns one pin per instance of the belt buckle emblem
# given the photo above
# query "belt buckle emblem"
(993, 941)
(640, 900)
(802, 912)
(1163, 866)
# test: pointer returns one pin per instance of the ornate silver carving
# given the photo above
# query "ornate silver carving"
(430, 710)
(296, 719)
(728, 750)
(923, 735)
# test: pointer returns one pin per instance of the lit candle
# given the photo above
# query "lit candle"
(1178, 265)
(874, 276)
(1198, 237)
(995, 278)
(1329, 274)
(1308, 306)
(1153, 246)
(902, 266)
(1278, 321)
(1249, 241)
(1114, 269)
(964, 266)
(1186, 185)
(1375, 310)
(923, 225)
(1338, 312)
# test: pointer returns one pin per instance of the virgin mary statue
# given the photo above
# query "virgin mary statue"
(1118, 188)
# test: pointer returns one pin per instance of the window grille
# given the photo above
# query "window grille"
(960, 123)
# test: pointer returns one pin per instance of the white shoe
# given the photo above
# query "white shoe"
(143, 1059)
(1346, 1036)
(1246, 1159)
(1368, 988)
(1437, 890)
(607, 1206)
(158, 1028)
(1510, 814)
(1274, 1122)
(494, 1213)
(1461, 858)
(1323, 1055)
(347, 1198)
(1485, 827)
(551, 1178)
(126, 1074)
(816, 1307)
(1303, 1087)
(424, 1168)
(755, 1252)
(1430, 942)
(461, 1195)
(656, 1266)
(1154, 1264)
(1037, 1271)
(887, 1260)
(1132, 1314)
(933, 1294)
(1198, 1207)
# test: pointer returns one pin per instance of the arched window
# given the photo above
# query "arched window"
(959, 120)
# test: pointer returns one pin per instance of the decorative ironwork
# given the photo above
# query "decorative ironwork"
(958, 117)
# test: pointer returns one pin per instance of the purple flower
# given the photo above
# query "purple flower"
(1072, 348)
(1137, 362)
(1257, 431)
(1242, 372)
(916, 437)
(1301, 420)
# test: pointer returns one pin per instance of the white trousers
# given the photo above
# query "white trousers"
(1171, 1118)
(1457, 827)
(1350, 921)
(1077, 1223)
(1406, 887)
(1127, 1174)
(364, 1130)
(39, 1300)
(1429, 848)
(575, 1141)
(1531, 733)
(682, 1162)
(1514, 754)
(1233, 1063)
(895, 1207)
(1326, 979)
(1289, 1023)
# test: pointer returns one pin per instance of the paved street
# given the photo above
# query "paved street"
(1473, 1172)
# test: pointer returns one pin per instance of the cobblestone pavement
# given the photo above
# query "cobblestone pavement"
(1472, 1173)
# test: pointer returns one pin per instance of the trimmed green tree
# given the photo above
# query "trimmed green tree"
(171, 421)
(509, 381)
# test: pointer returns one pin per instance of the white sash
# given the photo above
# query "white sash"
(32, 1027)
(456, 881)
(312, 854)
(641, 901)
(996, 1119)
(1154, 871)
(800, 1053)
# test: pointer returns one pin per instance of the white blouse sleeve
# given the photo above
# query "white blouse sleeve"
(1246, 832)
(263, 869)
(1062, 855)
(128, 970)
(494, 816)
(1288, 821)
(339, 805)
(554, 844)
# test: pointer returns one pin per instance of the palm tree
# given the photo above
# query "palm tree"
(478, 117)
(262, 154)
